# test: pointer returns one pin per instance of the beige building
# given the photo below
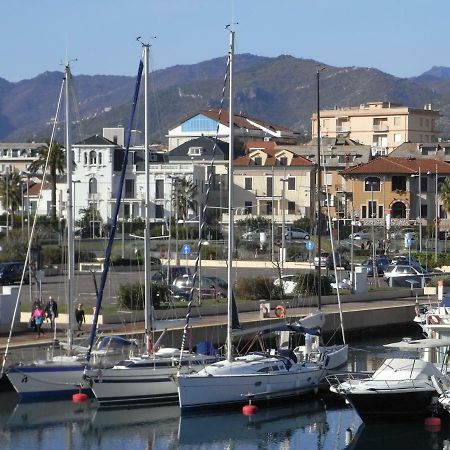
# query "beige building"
(274, 182)
(382, 125)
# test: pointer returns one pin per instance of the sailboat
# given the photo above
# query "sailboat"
(147, 378)
(62, 374)
(256, 376)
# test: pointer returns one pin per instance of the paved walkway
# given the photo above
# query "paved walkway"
(357, 315)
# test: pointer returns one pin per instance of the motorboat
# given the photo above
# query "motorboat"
(400, 388)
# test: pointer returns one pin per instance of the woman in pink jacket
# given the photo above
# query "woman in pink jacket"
(39, 317)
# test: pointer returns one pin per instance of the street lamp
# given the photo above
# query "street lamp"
(420, 206)
(436, 220)
(283, 221)
(372, 215)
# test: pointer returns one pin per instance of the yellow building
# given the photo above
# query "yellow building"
(382, 125)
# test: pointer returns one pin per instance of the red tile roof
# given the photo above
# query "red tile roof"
(297, 160)
(393, 165)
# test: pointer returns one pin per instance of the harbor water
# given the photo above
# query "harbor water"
(318, 422)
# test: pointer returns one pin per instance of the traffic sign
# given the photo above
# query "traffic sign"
(409, 242)
(309, 245)
(186, 249)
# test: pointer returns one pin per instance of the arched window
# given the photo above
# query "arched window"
(92, 157)
(92, 186)
(85, 158)
(100, 158)
(398, 210)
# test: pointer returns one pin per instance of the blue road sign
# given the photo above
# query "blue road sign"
(409, 242)
(309, 245)
(186, 249)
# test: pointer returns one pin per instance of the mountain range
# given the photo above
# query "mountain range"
(282, 90)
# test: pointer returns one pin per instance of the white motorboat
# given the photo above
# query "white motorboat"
(400, 388)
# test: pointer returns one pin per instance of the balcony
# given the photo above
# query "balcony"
(343, 128)
(94, 197)
(378, 150)
(380, 127)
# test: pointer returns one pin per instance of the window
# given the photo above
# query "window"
(100, 158)
(328, 179)
(282, 161)
(257, 160)
(398, 183)
(195, 151)
(248, 183)
(423, 184)
(291, 184)
(129, 188)
(364, 212)
(92, 186)
(92, 157)
(199, 123)
(442, 213)
(159, 189)
(397, 137)
(424, 211)
(269, 186)
(159, 211)
(372, 209)
(248, 207)
(85, 158)
(291, 207)
(372, 183)
(380, 211)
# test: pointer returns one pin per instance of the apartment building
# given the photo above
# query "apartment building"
(382, 125)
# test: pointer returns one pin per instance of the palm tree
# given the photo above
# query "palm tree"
(56, 165)
(183, 197)
(11, 193)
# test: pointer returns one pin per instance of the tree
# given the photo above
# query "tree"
(183, 200)
(56, 165)
(91, 215)
(11, 192)
(445, 194)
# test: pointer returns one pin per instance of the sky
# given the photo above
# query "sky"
(401, 37)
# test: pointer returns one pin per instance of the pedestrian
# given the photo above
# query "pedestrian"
(38, 316)
(79, 316)
(51, 312)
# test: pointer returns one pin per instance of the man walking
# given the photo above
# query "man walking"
(51, 311)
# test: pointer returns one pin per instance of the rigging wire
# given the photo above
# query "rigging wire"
(204, 210)
(33, 228)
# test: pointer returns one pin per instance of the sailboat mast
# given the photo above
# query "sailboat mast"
(319, 191)
(69, 210)
(230, 206)
(147, 262)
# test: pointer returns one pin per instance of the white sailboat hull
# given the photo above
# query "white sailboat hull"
(144, 380)
(48, 380)
(234, 382)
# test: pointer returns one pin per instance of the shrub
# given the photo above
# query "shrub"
(131, 295)
(308, 284)
(433, 282)
(83, 256)
(52, 254)
(254, 288)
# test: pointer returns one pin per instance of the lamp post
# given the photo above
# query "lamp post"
(372, 215)
(283, 221)
(419, 206)
(436, 220)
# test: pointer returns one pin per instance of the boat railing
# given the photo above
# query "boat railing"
(353, 379)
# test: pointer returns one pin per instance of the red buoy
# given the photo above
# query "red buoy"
(433, 424)
(249, 410)
(79, 397)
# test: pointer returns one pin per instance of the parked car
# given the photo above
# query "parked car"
(296, 233)
(251, 236)
(359, 235)
(11, 272)
(381, 262)
(341, 261)
(289, 283)
(182, 286)
(404, 271)
(174, 271)
(322, 261)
